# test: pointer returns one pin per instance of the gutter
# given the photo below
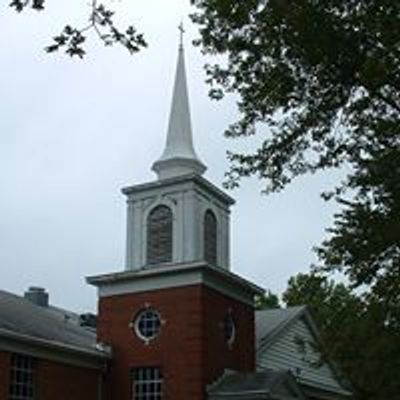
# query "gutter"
(50, 344)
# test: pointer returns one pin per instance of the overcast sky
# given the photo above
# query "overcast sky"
(73, 133)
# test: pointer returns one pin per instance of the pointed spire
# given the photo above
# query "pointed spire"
(179, 157)
(181, 32)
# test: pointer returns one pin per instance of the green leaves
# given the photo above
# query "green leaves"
(321, 82)
(311, 71)
(267, 301)
(100, 22)
(71, 39)
(19, 5)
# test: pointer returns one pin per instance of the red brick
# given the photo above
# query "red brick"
(54, 380)
(65, 382)
(4, 374)
(190, 348)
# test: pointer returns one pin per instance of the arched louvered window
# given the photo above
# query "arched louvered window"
(159, 235)
(210, 237)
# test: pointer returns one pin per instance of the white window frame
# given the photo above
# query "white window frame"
(137, 320)
(228, 319)
(146, 383)
(22, 378)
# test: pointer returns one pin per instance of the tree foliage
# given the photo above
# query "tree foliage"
(321, 82)
(355, 334)
(323, 76)
(268, 301)
(365, 239)
(322, 296)
(100, 21)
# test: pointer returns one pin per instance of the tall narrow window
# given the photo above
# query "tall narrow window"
(22, 378)
(210, 237)
(159, 235)
(146, 383)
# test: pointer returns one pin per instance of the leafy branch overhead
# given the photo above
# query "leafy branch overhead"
(72, 39)
(320, 80)
(323, 76)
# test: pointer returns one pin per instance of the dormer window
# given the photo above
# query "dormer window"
(159, 235)
(210, 238)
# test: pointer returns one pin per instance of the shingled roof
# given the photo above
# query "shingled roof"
(22, 320)
(268, 384)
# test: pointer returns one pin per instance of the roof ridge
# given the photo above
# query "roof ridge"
(267, 339)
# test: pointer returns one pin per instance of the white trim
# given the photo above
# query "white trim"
(232, 338)
(209, 187)
(144, 285)
(134, 325)
(176, 275)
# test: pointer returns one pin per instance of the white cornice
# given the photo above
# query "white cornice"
(176, 275)
(199, 180)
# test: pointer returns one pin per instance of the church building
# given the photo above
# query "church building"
(176, 323)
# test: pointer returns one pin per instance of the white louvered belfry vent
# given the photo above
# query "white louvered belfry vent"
(159, 235)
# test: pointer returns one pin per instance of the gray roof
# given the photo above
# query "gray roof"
(248, 386)
(19, 318)
(269, 323)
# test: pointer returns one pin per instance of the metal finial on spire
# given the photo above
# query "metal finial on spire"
(181, 32)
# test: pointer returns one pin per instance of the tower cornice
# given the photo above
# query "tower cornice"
(176, 275)
(199, 180)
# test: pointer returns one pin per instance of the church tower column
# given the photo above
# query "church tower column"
(193, 202)
(177, 317)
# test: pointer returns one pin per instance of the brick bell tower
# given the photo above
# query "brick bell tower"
(176, 318)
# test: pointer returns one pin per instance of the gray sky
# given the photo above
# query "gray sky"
(73, 133)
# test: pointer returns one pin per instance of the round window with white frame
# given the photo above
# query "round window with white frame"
(229, 329)
(147, 324)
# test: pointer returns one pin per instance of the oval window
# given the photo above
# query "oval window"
(147, 324)
(229, 329)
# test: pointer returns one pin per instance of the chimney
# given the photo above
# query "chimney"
(37, 295)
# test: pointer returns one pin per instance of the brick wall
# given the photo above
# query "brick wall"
(190, 348)
(54, 380)
(240, 355)
(4, 374)
(65, 382)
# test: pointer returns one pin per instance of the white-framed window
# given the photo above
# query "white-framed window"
(146, 383)
(229, 329)
(147, 324)
(22, 378)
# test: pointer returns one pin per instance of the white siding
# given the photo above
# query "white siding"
(286, 353)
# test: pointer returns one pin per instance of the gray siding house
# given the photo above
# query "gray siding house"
(287, 340)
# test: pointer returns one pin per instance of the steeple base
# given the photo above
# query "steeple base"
(173, 167)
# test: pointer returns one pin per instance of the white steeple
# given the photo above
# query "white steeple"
(179, 157)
